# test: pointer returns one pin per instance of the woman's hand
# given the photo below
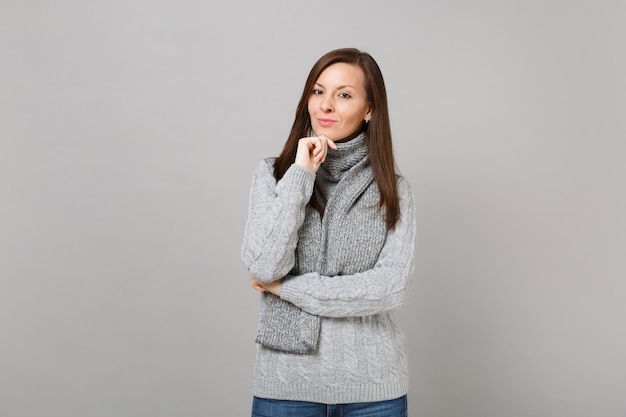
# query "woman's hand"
(273, 287)
(312, 151)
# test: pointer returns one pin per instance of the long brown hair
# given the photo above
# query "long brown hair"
(378, 130)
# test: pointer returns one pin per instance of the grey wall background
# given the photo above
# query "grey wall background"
(129, 131)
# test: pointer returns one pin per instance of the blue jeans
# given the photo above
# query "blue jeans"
(263, 407)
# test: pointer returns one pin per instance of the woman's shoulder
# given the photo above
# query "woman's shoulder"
(265, 165)
(402, 183)
(269, 162)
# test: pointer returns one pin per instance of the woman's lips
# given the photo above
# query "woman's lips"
(326, 122)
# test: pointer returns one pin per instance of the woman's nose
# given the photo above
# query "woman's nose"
(326, 105)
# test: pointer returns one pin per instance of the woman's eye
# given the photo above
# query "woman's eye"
(345, 95)
(317, 91)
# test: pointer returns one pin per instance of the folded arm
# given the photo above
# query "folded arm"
(275, 213)
(382, 288)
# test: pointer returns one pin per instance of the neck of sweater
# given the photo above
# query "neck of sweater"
(347, 155)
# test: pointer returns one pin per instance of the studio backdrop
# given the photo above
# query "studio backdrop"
(129, 131)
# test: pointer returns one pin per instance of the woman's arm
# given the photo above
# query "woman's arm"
(382, 288)
(275, 213)
(276, 210)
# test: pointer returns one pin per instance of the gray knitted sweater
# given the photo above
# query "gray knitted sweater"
(362, 354)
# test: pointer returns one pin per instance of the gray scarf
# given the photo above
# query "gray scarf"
(347, 239)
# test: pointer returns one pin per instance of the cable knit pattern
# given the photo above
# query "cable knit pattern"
(361, 353)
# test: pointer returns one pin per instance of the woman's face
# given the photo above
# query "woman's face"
(338, 103)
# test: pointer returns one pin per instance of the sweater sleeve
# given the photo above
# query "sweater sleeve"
(382, 288)
(275, 213)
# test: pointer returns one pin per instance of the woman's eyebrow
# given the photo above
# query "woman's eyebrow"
(338, 88)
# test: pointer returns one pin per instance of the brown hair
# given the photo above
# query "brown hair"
(378, 130)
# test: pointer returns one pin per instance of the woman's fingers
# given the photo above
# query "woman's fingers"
(324, 144)
(304, 154)
(256, 285)
(312, 151)
(320, 149)
(329, 142)
(273, 287)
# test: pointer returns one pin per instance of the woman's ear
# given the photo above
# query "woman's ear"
(368, 115)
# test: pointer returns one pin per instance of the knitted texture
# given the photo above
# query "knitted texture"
(361, 352)
(283, 326)
(346, 240)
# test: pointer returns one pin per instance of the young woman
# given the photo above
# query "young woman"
(329, 243)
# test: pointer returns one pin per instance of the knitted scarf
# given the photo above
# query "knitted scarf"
(347, 239)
